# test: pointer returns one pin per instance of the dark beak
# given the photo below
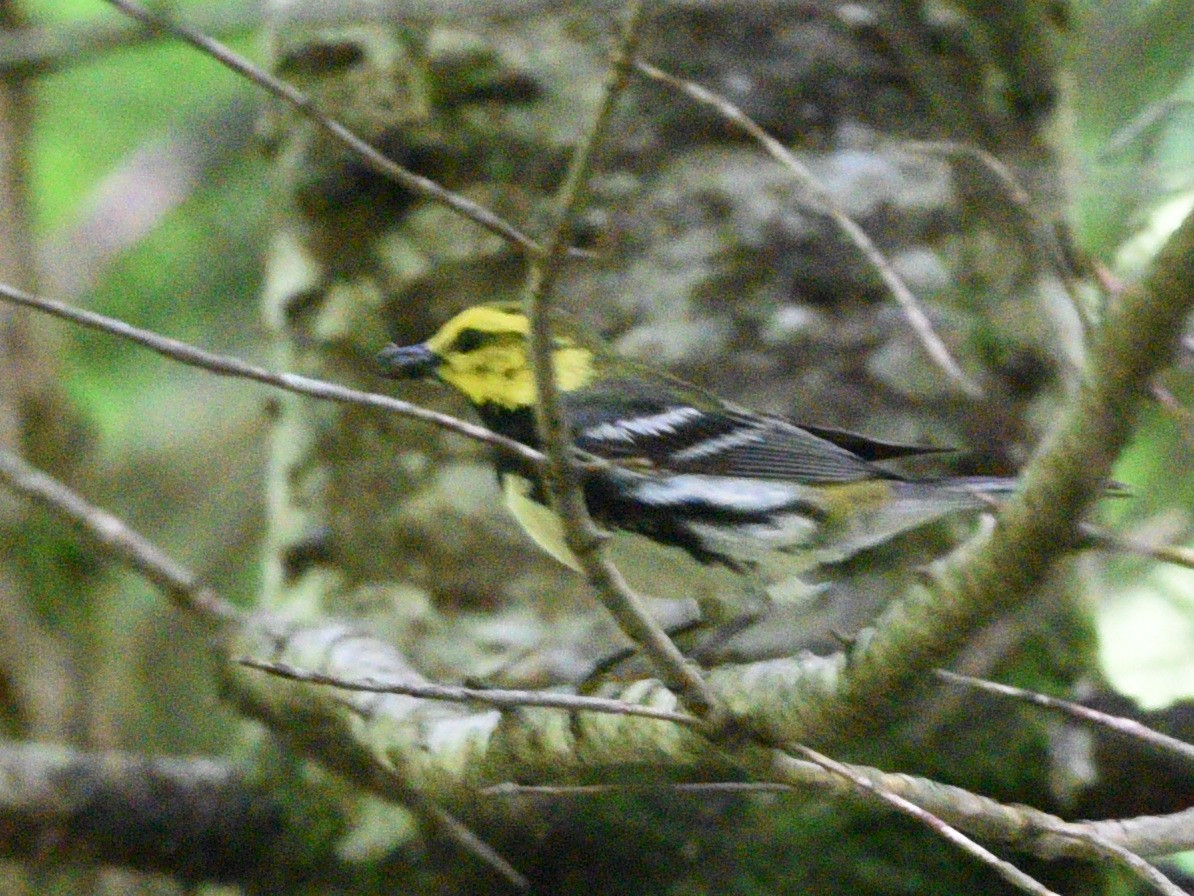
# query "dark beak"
(406, 362)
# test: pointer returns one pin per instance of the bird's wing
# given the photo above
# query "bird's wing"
(661, 432)
(872, 449)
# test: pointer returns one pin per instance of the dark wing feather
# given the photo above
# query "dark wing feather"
(872, 449)
(642, 426)
(772, 448)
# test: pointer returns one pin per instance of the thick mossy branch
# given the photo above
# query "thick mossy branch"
(396, 745)
(196, 819)
(407, 749)
(1035, 529)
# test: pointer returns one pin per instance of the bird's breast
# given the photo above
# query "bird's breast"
(651, 567)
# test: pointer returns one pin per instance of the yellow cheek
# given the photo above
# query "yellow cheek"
(503, 377)
(483, 384)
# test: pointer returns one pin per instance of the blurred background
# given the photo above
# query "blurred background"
(143, 180)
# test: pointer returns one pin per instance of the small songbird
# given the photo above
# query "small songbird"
(696, 492)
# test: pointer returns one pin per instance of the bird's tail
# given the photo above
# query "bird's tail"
(983, 485)
(997, 486)
(909, 505)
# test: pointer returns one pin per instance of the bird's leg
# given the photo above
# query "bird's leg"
(728, 620)
(608, 665)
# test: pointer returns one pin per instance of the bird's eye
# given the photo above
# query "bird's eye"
(469, 340)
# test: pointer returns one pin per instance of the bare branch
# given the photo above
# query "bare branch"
(997, 573)
(1148, 835)
(65, 44)
(1106, 540)
(223, 365)
(510, 789)
(1101, 845)
(1129, 727)
(870, 789)
(305, 106)
(466, 837)
(563, 486)
(1172, 405)
(501, 698)
(182, 587)
(195, 819)
(178, 582)
(1037, 234)
(822, 202)
(50, 48)
(1021, 827)
(1143, 129)
(394, 745)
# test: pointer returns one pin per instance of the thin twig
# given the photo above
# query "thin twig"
(1119, 724)
(1038, 233)
(582, 536)
(1106, 540)
(508, 788)
(179, 583)
(44, 49)
(824, 204)
(305, 106)
(1144, 129)
(1022, 827)
(1174, 408)
(469, 840)
(1144, 870)
(868, 788)
(500, 698)
(223, 365)
(51, 48)
(1147, 835)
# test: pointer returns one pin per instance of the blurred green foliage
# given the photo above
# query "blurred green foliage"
(149, 201)
(1131, 81)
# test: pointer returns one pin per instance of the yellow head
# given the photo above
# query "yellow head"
(483, 352)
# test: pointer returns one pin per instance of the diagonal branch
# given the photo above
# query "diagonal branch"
(305, 106)
(182, 586)
(1036, 527)
(223, 365)
(1106, 540)
(414, 751)
(231, 627)
(823, 203)
(1036, 234)
(1021, 827)
(563, 485)
(1128, 727)
(868, 788)
(62, 45)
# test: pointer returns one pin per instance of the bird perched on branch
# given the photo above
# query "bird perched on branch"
(697, 492)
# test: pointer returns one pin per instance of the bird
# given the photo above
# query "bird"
(701, 497)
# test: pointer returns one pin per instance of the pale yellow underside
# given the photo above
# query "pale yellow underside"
(651, 568)
(537, 520)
